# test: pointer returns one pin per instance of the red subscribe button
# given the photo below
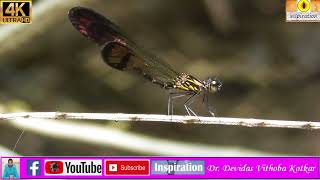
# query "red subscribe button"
(127, 167)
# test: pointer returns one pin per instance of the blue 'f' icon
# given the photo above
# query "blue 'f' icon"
(33, 168)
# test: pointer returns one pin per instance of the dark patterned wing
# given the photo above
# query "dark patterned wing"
(117, 50)
(93, 25)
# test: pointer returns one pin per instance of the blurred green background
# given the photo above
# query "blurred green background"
(270, 69)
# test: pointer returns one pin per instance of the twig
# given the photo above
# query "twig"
(164, 118)
(138, 143)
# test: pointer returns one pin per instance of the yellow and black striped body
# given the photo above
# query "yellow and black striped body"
(188, 83)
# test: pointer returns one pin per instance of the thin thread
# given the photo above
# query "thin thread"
(18, 140)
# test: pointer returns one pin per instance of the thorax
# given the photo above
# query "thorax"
(187, 82)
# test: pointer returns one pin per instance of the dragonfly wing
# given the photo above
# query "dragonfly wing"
(123, 58)
(93, 25)
(117, 50)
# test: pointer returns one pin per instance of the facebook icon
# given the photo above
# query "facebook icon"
(33, 168)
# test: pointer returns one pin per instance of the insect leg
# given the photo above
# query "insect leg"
(210, 108)
(188, 103)
(172, 97)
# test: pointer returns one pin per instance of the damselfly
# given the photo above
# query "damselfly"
(123, 54)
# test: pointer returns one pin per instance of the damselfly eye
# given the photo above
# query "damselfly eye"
(215, 86)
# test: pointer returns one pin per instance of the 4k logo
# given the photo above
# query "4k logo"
(15, 11)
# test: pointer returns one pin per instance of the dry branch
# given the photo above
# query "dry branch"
(247, 122)
(124, 140)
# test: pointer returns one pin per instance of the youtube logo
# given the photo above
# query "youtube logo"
(54, 167)
(73, 167)
(127, 167)
(113, 167)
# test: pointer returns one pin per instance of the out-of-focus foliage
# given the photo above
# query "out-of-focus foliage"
(269, 69)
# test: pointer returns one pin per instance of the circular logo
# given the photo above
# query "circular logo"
(304, 5)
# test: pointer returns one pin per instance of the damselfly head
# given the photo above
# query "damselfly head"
(214, 85)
